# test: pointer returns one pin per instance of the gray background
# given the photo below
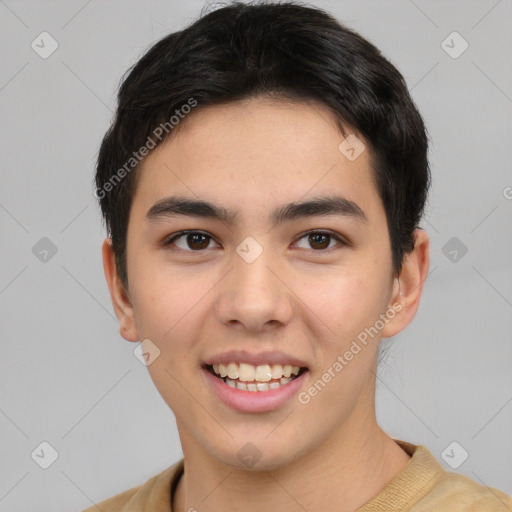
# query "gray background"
(66, 375)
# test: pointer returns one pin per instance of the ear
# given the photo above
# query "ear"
(119, 296)
(408, 286)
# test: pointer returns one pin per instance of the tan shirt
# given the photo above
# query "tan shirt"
(422, 485)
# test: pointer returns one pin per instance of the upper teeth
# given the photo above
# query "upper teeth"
(250, 373)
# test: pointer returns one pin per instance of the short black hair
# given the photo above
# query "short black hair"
(279, 49)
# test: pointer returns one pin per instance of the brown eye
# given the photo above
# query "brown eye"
(197, 241)
(190, 241)
(321, 240)
(318, 240)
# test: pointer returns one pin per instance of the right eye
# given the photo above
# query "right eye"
(193, 241)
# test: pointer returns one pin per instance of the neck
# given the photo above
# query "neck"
(346, 471)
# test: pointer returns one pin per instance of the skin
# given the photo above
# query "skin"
(297, 297)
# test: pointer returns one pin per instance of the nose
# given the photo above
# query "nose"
(254, 296)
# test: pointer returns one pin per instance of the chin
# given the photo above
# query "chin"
(259, 454)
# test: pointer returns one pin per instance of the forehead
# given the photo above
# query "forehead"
(255, 153)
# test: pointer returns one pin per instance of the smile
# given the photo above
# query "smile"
(248, 377)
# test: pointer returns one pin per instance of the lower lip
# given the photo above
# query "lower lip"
(254, 401)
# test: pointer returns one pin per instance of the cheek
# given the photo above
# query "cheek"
(168, 312)
(161, 299)
(171, 311)
(345, 303)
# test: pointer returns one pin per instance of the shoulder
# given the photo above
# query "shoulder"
(459, 493)
(423, 485)
(115, 503)
(443, 490)
(154, 492)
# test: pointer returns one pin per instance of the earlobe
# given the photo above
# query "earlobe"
(408, 286)
(120, 299)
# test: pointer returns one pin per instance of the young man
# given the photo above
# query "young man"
(262, 185)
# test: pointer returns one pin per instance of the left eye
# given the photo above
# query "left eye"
(197, 241)
(321, 239)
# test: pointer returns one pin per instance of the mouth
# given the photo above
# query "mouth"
(260, 378)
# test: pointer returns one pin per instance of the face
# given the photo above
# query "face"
(248, 286)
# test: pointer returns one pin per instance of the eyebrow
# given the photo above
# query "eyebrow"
(329, 205)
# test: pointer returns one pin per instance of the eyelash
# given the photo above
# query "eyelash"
(331, 234)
